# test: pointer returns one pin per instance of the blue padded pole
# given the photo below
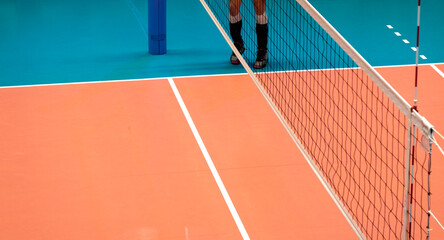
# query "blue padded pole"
(157, 26)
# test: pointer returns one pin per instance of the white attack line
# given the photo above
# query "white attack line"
(436, 143)
(439, 147)
(437, 70)
(210, 163)
(390, 26)
(398, 34)
(405, 41)
(436, 219)
(439, 134)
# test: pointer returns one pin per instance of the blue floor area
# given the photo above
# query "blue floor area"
(52, 41)
(364, 24)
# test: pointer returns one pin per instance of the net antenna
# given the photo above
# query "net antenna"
(352, 127)
(415, 101)
(409, 194)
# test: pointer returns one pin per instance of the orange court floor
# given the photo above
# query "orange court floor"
(119, 160)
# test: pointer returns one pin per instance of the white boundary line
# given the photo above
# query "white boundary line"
(437, 70)
(413, 64)
(119, 81)
(210, 163)
(406, 65)
(81, 83)
(166, 77)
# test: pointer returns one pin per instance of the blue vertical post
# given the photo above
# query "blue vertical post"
(157, 26)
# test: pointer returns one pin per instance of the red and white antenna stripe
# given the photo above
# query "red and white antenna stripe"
(413, 155)
(417, 57)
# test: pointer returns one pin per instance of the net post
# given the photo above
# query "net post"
(407, 183)
(157, 27)
(429, 193)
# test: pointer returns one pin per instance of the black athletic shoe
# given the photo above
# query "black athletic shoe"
(240, 47)
(262, 59)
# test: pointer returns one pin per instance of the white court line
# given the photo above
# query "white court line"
(210, 163)
(433, 215)
(81, 83)
(405, 65)
(166, 77)
(437, 70)
(438, 146)
(123, 80)
(406, 41)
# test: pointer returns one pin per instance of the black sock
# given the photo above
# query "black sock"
(235, 31)
(262, 36)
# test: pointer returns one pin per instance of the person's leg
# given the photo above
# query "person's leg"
(236, 28)
(262, 33)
